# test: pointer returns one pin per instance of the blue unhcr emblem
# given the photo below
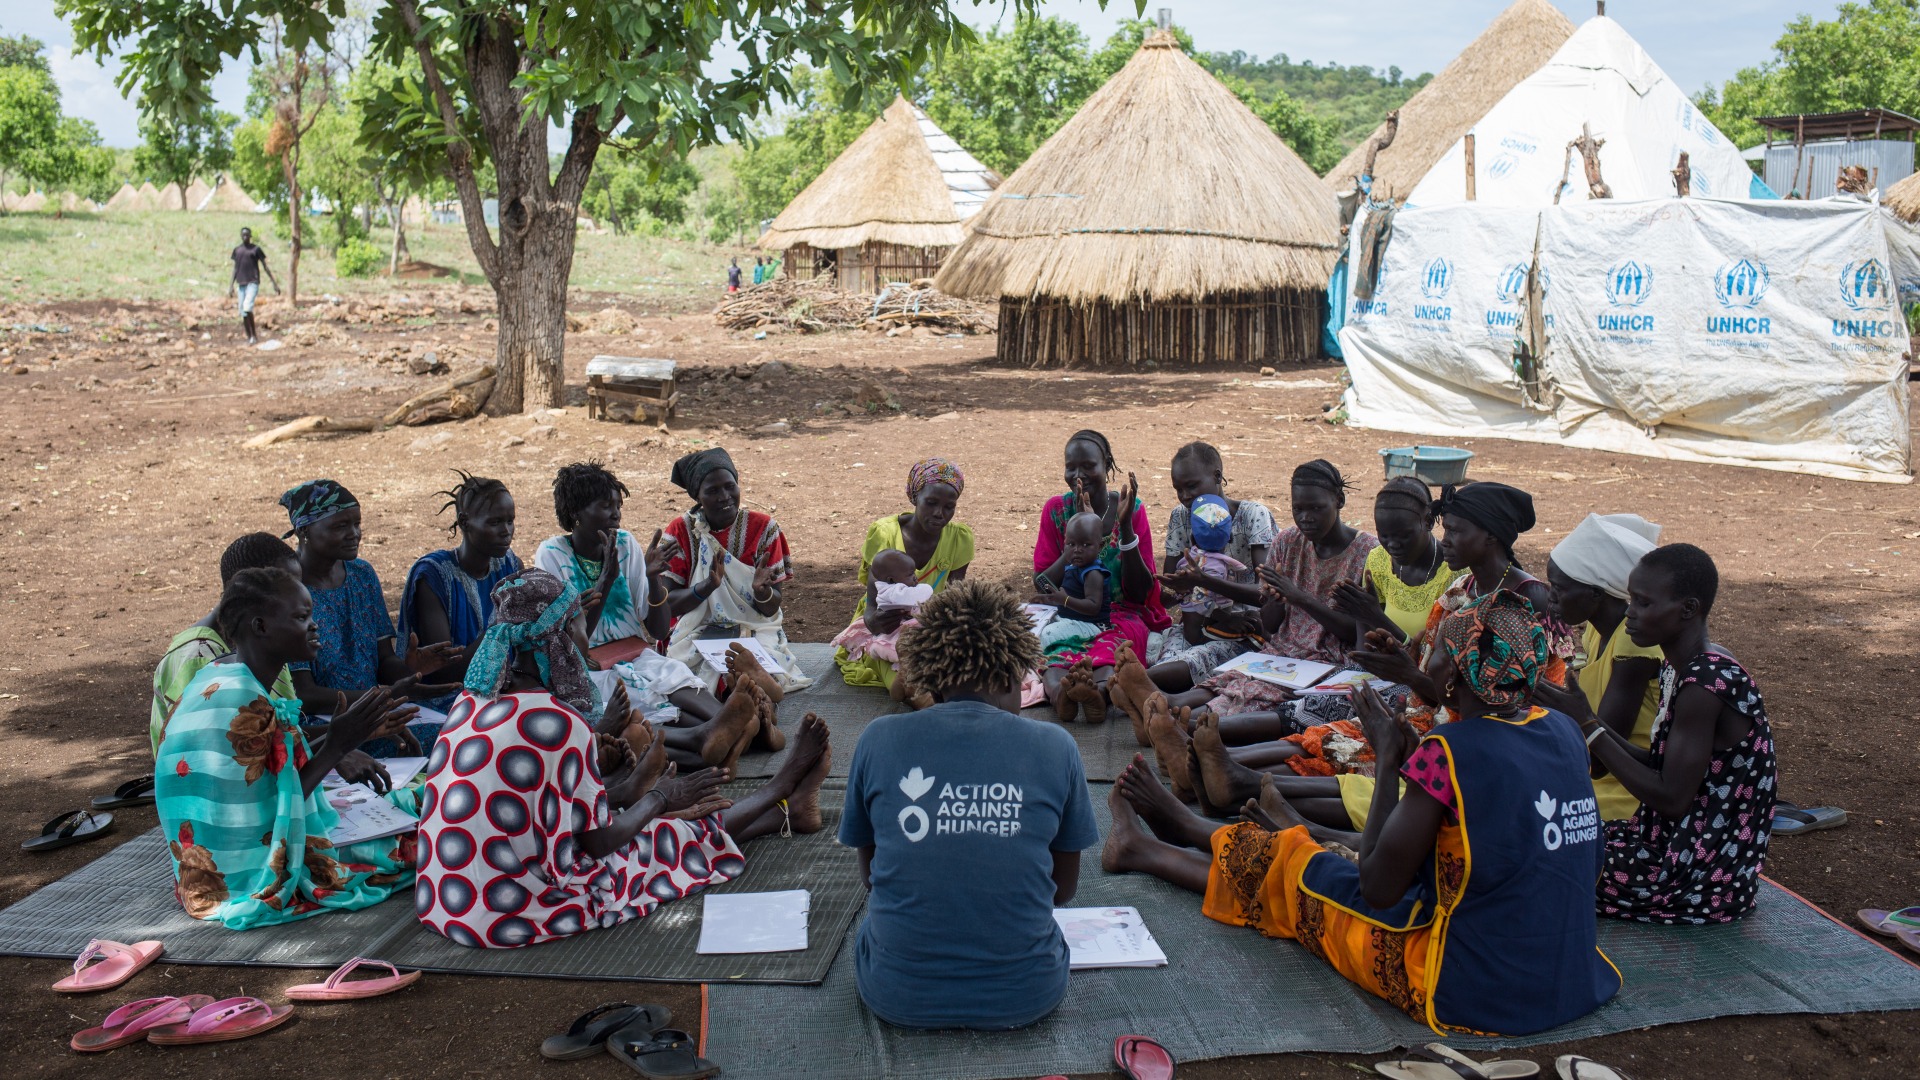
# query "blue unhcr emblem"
(1865, 285)
(1741, 284)
(1436, 279)
(1629, 284)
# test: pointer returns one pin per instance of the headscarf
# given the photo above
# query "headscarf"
(690, 471)
(1098, 440)
(934, 470)
(315, 500)
(1497, 646)
(1321, 473)
(531, 610)
(1603, 549)
(1504, 512)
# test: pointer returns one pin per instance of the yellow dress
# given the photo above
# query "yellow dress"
(1407, 605)
(954, 552)
(1615, 802)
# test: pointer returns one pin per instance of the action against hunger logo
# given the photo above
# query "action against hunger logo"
(915, 784)
(1741, 284)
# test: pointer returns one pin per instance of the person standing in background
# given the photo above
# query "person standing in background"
(248, 261)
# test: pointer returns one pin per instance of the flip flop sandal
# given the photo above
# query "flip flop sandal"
(1140, 1058)
(130, 1022)
(337, 988)
(667, 1055)
(1889, 923)
(118, 963)
(223, 1021)
(590, 1032)
(1908, 938)
(69, 828)
(1575, 1067)
(1468, 1068)
(1797, 821)
(135, 792)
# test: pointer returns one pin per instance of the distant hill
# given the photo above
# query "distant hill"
(1354, 98)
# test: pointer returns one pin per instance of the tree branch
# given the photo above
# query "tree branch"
(577, 167)
(459, 154)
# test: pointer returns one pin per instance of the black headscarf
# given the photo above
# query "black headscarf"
(1504, 512)
(690, 471)
(1321, 473)
(315, 500)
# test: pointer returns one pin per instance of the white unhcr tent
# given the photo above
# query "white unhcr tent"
(1747, 332)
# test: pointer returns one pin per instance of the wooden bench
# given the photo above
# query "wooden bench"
(645, 381)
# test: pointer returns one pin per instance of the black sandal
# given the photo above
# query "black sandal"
(590, 1032)
(668, 1055)
(69, 828)
(135, 792)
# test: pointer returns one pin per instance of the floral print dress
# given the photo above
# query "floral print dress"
(249, 847)
(1704, 866)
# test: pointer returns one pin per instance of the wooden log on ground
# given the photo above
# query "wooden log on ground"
(312, 425)
(399, 412)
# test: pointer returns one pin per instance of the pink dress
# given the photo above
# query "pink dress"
(1131, 621)
(511, 783)
(1300, 635)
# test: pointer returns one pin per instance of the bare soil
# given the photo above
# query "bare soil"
(123, 479)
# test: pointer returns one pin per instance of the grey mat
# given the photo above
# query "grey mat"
(127, 895)
(1230, 992)
(1104, 748)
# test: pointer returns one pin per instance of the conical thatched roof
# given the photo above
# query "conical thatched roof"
(1903, 199)
(168, 198)
(149, 198)
(33, 200)
(127, 198)
(229, 196)
(197, 193)
(1512, 47)
(1162, 186)
(903, 181)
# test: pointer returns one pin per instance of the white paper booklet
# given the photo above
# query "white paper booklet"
(1108, 938)
(714, 652)
(1279, 670)
(1343, 682)
(365, 815)
(754, 922)
(399, 770)
(1041, 614)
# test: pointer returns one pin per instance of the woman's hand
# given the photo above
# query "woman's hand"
(717, 572)
(763, 580)
(1124, 506)
(1572, 702)
(1183, 580)
(1280, 587)
(610, 560)
(685, 792)
(657, 557)
(357, 767)
(432, 658)
(1052, 599)
(1391, 737)
(1351, 599)
(1386, 657)
(412, 687)
(886, 620)
(1081, 502)
(1234, 622)
(378, 713)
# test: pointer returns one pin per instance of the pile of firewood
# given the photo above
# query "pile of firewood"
(814, 305)
(458, 399)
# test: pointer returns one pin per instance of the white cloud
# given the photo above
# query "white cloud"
(87, 90)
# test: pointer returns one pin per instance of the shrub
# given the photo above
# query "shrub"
(357, 258)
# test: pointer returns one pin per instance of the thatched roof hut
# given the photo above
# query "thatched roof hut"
(1903, 199)
(1515, 45)
(1164, 221)
(170, 198)
(229, 196)
(127, 198)
(149, 198)
(197, 193)
(888, 208)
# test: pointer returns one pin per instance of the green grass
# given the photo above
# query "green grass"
(177, 256)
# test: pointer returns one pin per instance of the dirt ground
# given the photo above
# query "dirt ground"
(123, 479)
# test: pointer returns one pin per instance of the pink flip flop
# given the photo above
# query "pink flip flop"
(337, 988)
(222, 1021)
(118, 963)
(130, 1022)
(1142, 1059)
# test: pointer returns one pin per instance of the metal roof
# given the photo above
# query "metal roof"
(1852, 124)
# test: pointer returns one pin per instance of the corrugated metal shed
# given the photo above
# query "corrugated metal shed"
(1817, 165)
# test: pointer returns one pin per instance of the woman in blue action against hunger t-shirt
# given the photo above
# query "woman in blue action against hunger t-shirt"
(970, 820)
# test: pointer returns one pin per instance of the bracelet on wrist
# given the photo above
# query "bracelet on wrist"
(1598, 729)
(1129, 545)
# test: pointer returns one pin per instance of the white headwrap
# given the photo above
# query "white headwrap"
(1602, 550)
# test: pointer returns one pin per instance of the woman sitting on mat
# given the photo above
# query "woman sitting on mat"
(449, 593)
(969, 820)
(350, 612)
(237, 786)
(1308, 561)
(940, 548)
(1125, 559)
(623, 591)
(725, 565)
(1587, 576)
(1487, 859)
(201, 644)
(1228, 628)
(1694, 850)
(536, 826)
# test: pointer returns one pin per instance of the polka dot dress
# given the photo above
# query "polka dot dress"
(511, 785)
(1702, 867)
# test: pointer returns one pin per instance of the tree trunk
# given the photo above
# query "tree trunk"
(396, 211)
(290, 169)
(183, 196)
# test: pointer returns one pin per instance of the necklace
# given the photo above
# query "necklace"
(1433, 567)
(1497, 586)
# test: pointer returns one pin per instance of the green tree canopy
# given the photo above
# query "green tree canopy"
(175, 151)
(37, 143)
(1867, 56)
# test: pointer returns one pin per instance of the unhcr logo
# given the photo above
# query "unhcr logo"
(1865, 285)
(1628, 285)
(1511, 286)
(1436, 279)
(1501, 166)
(1741, 284)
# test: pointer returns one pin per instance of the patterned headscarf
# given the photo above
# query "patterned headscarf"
(315, 500)
(531, 610)
(934, 470)
(692, 469)
(1497, 646)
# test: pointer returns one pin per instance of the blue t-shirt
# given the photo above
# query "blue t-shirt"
(352, 620)
(964, 805)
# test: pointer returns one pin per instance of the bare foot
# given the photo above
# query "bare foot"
(804, 803)
(652, 765)
(809, 746)
(1066, 707)
(1093, 703)
(742, 666)
(640, 735)
(1274, 806)
(769, 737)
(1131, 689)
(1123, 840)
(730, 732)
(1169, 746)
(1157, 806)
(1227, 782)
(1183, 718)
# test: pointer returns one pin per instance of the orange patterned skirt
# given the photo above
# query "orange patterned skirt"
(1255, 881)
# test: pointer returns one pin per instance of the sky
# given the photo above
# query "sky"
(1698, 44)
